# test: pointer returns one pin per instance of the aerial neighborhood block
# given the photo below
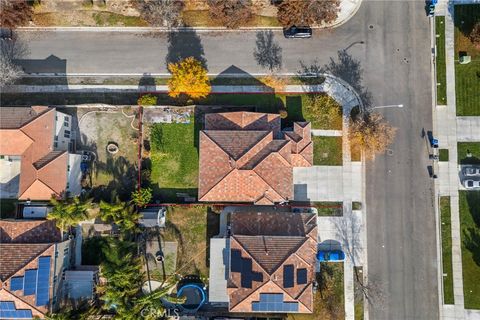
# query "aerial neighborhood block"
(247, 157)
(35, 162)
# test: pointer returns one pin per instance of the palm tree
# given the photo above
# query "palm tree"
(153, 301)
(120, 213)
(69, 213)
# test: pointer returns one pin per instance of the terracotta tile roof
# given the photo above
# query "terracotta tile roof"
(29, 231)
(267, 253)
(16, 255)
(29, 133)
(242, 158)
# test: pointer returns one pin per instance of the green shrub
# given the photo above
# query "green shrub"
(147, 100)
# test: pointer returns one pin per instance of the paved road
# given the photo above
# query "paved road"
(395, 62)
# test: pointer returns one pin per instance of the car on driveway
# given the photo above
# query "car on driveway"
(471, 184)
(330, 255)
(472, 172)
(297, 32)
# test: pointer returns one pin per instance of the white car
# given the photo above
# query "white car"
(471, 184)
(472, 172)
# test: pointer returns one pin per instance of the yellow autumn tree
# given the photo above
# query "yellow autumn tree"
(371, 133)
(189, 78)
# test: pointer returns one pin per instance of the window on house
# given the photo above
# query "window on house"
(67, 119)
(55, 144)
(68, 168)
(65, 123)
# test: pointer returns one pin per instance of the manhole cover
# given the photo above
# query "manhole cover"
(390, 152)
(370, 27)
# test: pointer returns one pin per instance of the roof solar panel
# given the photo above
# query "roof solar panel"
(301, 276)
(288, 281)
(16, 283)
(7, 305)
(30, 282)
(44, 262)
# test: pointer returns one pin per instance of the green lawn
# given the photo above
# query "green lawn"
(174, 160)
(201, 18)
(107, 19)
(469, 203)
(191, 227)
(329, 208)
(443, 154)
(446, 230)
(467, 77)
(327, 151)
(7, 208)
(440, 61)
(463, 148)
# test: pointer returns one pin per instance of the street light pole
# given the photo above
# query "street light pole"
(389, 106)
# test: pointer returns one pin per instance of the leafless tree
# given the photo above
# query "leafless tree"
(311, 12)
(475, 34)
(11, 48)
(161, 13)
(231, 13)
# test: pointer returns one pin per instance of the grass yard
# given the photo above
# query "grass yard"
(329, 208)
(464, 148)
(469, 205)
(467, 76)
(201, 18)
(327, 151)
(443, 154)
(107, 19)
(446, 230)
(192, 227)
(174, 158)
(440, 61)
(7, 208)
(329, 300)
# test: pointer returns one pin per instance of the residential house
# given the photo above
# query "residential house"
(35, 162)
(247, 157)
(266, 264)
(33, 259)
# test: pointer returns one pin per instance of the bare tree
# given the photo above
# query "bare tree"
(14, 13)
(162, 13)
(268, 52)
(231, 13)
(11, 49)
(312, 12)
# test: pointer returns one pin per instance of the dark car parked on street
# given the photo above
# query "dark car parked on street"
(297, 32)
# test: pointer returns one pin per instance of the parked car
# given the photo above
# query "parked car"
(471, 184)
(472, 171)
(297, 32)
(330, 255)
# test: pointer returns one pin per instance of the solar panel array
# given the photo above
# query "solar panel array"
(301, 276)
(245, 267)
(35, 281)
(288, 274)
(8, 311)
(273, 302)
(43, 277)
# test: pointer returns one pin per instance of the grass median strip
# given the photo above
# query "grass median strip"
(469, 205)
(446, 230)
(440, 59)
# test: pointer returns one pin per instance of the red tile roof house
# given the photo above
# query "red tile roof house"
(34, 158)
(267, 264)
(32, 260)
(246, 157)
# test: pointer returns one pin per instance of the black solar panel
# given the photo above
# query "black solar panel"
(288, 280)
(301, 276)
(273, 302)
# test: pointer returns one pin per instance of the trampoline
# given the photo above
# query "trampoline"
(195, 296)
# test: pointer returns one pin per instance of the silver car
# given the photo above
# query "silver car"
(472, 172)
(471, 184)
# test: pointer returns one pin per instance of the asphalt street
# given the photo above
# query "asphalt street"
(384, 52)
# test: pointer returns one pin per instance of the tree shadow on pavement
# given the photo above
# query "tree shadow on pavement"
(345, 67)
(267, 53)
(185, 44)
